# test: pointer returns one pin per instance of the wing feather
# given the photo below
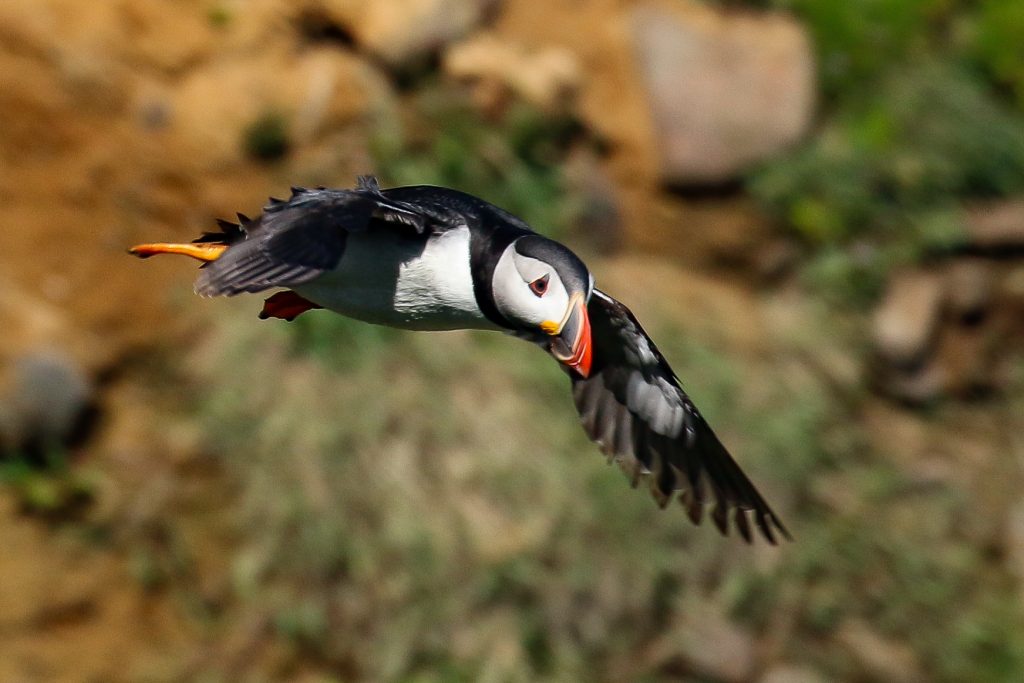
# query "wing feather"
(633, 406)
(295, 240)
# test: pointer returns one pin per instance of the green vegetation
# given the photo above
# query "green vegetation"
(428, 511)
(411, 525)
(883, 183)
(48, 488)
(860, 43)
(266, 138)
(400, 496)
(219, 14)
(513, 161)
(998, 43)
(915, 122)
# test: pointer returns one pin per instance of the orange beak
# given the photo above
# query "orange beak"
(572, 344)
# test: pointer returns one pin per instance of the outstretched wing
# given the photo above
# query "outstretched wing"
(632, 405)
(295, 240)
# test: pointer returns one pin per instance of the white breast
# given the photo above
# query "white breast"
(399, 281)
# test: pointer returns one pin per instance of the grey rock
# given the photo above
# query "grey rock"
(1012, 286)
(880, 658)
(548, 78)
(1014, 540)
(714, 647)
(776, 259)
(45, 399)
(918, 385)
(399, 32)
(970, 284)
(726, 89)
(906, 322)
(598, 215)
(791, 673)
(969, 355)
(996, 225)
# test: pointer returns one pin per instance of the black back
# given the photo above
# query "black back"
(491, 230)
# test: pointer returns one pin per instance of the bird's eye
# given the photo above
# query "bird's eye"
(539, 286)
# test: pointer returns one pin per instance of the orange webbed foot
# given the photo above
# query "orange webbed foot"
(286, 305)
(202, 251)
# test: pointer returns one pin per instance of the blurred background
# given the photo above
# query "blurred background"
(816, 207)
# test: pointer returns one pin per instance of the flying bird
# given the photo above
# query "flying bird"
(432, 258)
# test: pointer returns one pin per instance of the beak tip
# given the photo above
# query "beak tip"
(582, 346)
(584, 364)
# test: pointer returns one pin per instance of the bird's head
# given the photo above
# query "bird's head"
(542, 288)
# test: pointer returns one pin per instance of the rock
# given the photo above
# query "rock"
(832, 492)
(917, 385)
(45, 399)
(1012, 287)
(31, 321)
(919, 358)
(882, 659)
(791, 673)
(970, 283)
(906, 322)
(710, 233)
(598, 216)
(1014, 540)
(726, 89)
(704, 644)
(968, 357)
(147, 27)
(26, 26)
(996, 225)
(547, 78)
(312, 94)
(400, 32)
(714, 647)
(777, 259)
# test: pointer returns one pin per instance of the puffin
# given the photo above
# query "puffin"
(424, 257)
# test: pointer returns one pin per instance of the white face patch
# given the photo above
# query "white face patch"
(517, 301)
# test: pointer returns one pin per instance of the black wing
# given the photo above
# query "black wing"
(296, 240)
(633, 406)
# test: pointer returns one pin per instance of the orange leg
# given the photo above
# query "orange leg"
(203, 251)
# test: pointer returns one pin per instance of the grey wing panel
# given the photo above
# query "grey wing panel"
(294, 241)
(633, 407)
(290, 243)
